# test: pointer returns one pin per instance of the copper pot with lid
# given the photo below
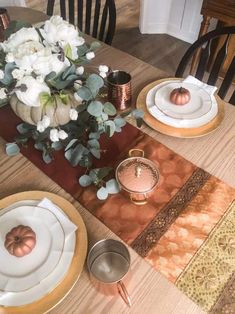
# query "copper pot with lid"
(138, 176)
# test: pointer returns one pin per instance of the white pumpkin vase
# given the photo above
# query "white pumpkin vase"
(58, 112)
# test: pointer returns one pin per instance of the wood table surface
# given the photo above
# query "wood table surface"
(150, 291)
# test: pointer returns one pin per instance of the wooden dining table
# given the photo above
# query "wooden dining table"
(150, 291)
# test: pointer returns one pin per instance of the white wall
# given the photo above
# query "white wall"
(179, 18)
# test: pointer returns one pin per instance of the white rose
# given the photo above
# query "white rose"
(40, 79)
(40, 127)
(80, 70)
(77, 84)
(73, 114)
(57, 30)
(46, 121)
(103, 68)
(90, 55)
(17, 74)
(1, 74)
(62, 135)
(103, 74)
(3, 94)
(21, 36)
(10, 58)
(31, 96)
(54, 137)
(77, 98)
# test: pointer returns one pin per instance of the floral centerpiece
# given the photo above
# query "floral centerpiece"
(42, 78)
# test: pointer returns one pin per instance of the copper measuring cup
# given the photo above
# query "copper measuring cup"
(137, 176)
(108, 263)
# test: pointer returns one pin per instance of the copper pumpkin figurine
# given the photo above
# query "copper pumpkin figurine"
(20, 241)
(137, 176)
(180, 96)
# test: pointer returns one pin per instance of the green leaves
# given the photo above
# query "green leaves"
(8, 78)
(138, 115)
(85, 180)
(95, 45)
(85, 93)
(46, 99)
(94, 82)
(68, 51)
(109, 109)
(12, 149)
(62, 80)
(109, 128)
(95, 108)
(14, 26)
(75, 155)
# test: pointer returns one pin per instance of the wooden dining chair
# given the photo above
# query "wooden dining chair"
(205, 44)
(93, 17)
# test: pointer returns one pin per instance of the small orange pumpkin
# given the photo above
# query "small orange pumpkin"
(180, 96)
(20, 241)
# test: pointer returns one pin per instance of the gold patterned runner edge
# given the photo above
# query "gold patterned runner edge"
(166, 217)
(206, 276)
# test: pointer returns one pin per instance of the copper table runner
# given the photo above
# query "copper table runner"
(187, 229)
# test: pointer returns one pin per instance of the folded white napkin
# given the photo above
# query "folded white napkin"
(24, 297)
(209, 88)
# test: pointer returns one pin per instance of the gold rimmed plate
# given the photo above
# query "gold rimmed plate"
(173, 131)
(51, 299)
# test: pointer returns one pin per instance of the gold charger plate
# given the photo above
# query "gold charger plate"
(170, 130)
(50, 300)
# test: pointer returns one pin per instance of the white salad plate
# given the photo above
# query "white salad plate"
(56, 275)
(201, 109)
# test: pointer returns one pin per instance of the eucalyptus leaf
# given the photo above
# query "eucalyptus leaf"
(119, 122)
(112, 186)
(70, 70)
(95, 152)
(102, 194)
(138, 113)
(94, 82)
(46, 157)
(103, 172)
(94, 175)
(109, 109)
(104, 116)
(85, 93)
(95, 45)
(12, 149)
(22, 129)
(109, 128)
(57, 145)
(93, 143)
(8, 78)
(3, 102)
(95, 108)
(39, 146)
(85, 180)
(94, 135)
(68, 51)
(45, 98)
(76, 154)
(82, 50)
(86, 161)
(71, 143)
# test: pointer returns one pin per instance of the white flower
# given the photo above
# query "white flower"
(1, 74)
(80, 70)
(3, 94)
(10, 57)
(17, 74)
(77, 84)
(103, 68)
(40, 127)
(54, 135)
(73, 114)
(103, 74)
(56, 30)
(40, 79)
(31, 96)
(21, 36)
(62, 135)
(46, 121)
(77, 98)
(90, 55)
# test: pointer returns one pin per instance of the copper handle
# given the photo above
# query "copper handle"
(140, 202)
(137, 150)
(123, 293)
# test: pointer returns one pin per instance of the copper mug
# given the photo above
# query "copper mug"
(137, 176)
(108, 263)
(4, 22)
(119, 89)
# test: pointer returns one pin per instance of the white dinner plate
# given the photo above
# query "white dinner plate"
(21, 273)
(55, 277)
(176, 122)
(200, 102)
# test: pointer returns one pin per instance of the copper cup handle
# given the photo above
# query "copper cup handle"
(140, 202)
(136, 150)
(123, 293)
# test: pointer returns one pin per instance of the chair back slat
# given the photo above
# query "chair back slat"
(88, 16)
(96, 19)
(80, 14)
(227, 81)
(103, 21)
(232, 99)
(50, 7)
(112, 22)
(219, 61)
(203, 61)
(71, 11)
(63, 9)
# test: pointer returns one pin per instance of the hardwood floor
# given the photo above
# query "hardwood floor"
(160, 50)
